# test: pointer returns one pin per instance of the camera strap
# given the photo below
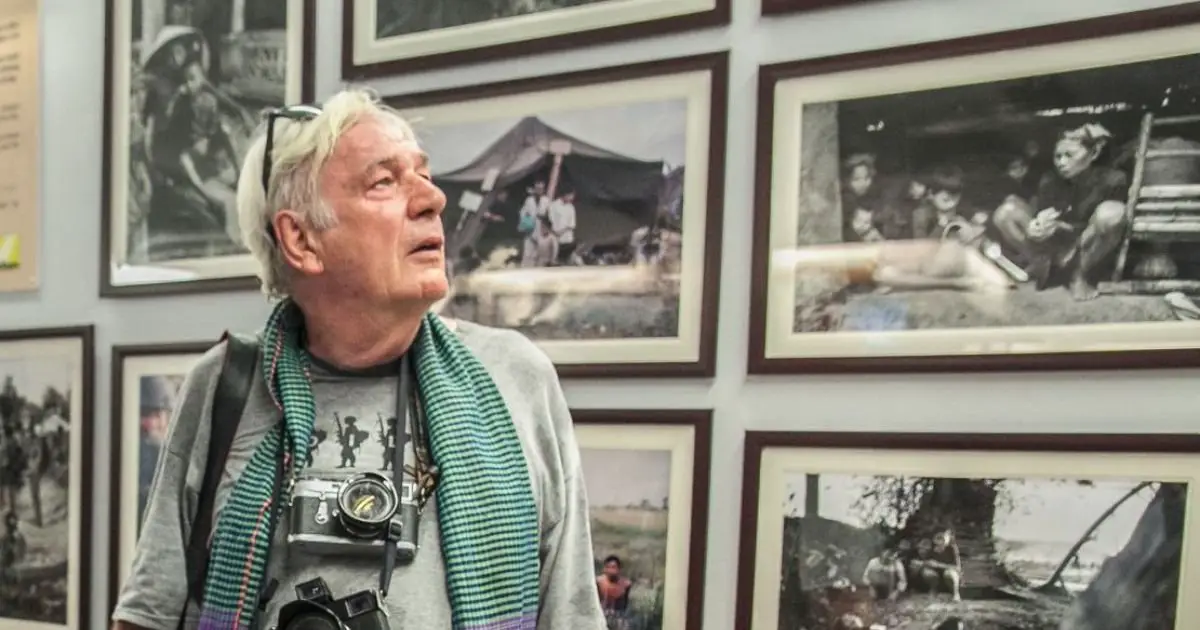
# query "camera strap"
(400, 431)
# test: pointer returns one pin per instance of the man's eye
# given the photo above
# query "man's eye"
(382, 182)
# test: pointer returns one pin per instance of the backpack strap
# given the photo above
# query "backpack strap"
(229, 401)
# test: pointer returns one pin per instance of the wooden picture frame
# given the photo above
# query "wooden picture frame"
(51, 453)
(783, 7)
(366, 55)
(648, 285)
(1028, 504)
(684, 438)
(145, 382)
(958, 301)
(193, 245)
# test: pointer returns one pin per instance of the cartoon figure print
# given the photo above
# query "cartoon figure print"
(387, 438)
(351, 438)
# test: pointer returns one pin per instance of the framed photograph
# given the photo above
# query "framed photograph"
(1020, 200)
(585, 211)
(391, 37)
(647, 476)
(186, 82)
(920, 531)
(778, 7)
(145, 387)
(45, 489)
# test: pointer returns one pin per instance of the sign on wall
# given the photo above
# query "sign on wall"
(19, 114)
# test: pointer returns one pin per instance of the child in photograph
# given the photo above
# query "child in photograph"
(943, 207)
(545, 244)
(860, 195)
(613, 589)
(885, 575)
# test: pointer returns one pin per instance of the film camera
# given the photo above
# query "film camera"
(353, 516)
(315, 609)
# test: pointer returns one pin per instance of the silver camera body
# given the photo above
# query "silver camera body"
(327, 517)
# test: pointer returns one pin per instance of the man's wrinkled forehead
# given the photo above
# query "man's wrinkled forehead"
(376, 140)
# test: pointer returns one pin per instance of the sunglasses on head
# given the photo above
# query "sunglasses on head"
(298, 113)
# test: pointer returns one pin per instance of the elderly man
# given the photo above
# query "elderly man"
(480, 522)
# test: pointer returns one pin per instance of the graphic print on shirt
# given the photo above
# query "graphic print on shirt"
(351, 439)
(355, 428)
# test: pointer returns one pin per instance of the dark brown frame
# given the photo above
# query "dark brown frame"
(759, 441)
(115, 518)
(780, 7)
(210, 285)
(85, 425)
(718, 65)
(769, 75)
(719, 15)
(701, 422)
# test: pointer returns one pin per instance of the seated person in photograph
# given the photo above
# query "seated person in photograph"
(938, 565)
(13, 549)
(209, 166)
(562, 223)
(885, 575)
(614, 589)
(344, 221)
(1075, 221)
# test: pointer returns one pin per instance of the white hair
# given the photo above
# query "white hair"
(299, 150)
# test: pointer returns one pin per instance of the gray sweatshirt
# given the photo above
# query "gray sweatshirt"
(352, 434)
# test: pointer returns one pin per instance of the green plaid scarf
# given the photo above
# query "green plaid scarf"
(486, 510)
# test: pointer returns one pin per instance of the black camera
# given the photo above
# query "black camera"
(315, 609)
(354, 516)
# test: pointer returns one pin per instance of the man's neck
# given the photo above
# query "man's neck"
(352, 339)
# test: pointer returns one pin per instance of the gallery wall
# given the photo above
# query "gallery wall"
(72, 110)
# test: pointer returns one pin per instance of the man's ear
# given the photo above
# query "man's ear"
(296, 244)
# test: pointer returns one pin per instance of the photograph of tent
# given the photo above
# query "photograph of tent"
(580, 216)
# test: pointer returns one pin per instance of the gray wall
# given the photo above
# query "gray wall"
(72, 110)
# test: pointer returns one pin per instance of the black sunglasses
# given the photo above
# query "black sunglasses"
(291, 112)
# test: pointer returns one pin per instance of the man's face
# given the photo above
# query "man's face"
(612, 569)
(387, 245)
(539, 189)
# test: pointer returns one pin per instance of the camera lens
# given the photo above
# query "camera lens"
(314, 621)
(367, 502)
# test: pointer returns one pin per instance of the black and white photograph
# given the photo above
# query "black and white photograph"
(42, 554)
(646, 479)
(405, 17)
(389, 37)
(190, 80)
(921, 531)
(990, 216)
(578, 216)
(909, 553)
(146, 383)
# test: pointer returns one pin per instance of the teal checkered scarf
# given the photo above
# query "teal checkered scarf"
(486, 510)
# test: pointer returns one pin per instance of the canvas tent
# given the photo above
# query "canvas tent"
(615, 194)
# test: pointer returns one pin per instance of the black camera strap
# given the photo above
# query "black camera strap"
(400, 430)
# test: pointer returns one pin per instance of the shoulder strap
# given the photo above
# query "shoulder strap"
(229, 401)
